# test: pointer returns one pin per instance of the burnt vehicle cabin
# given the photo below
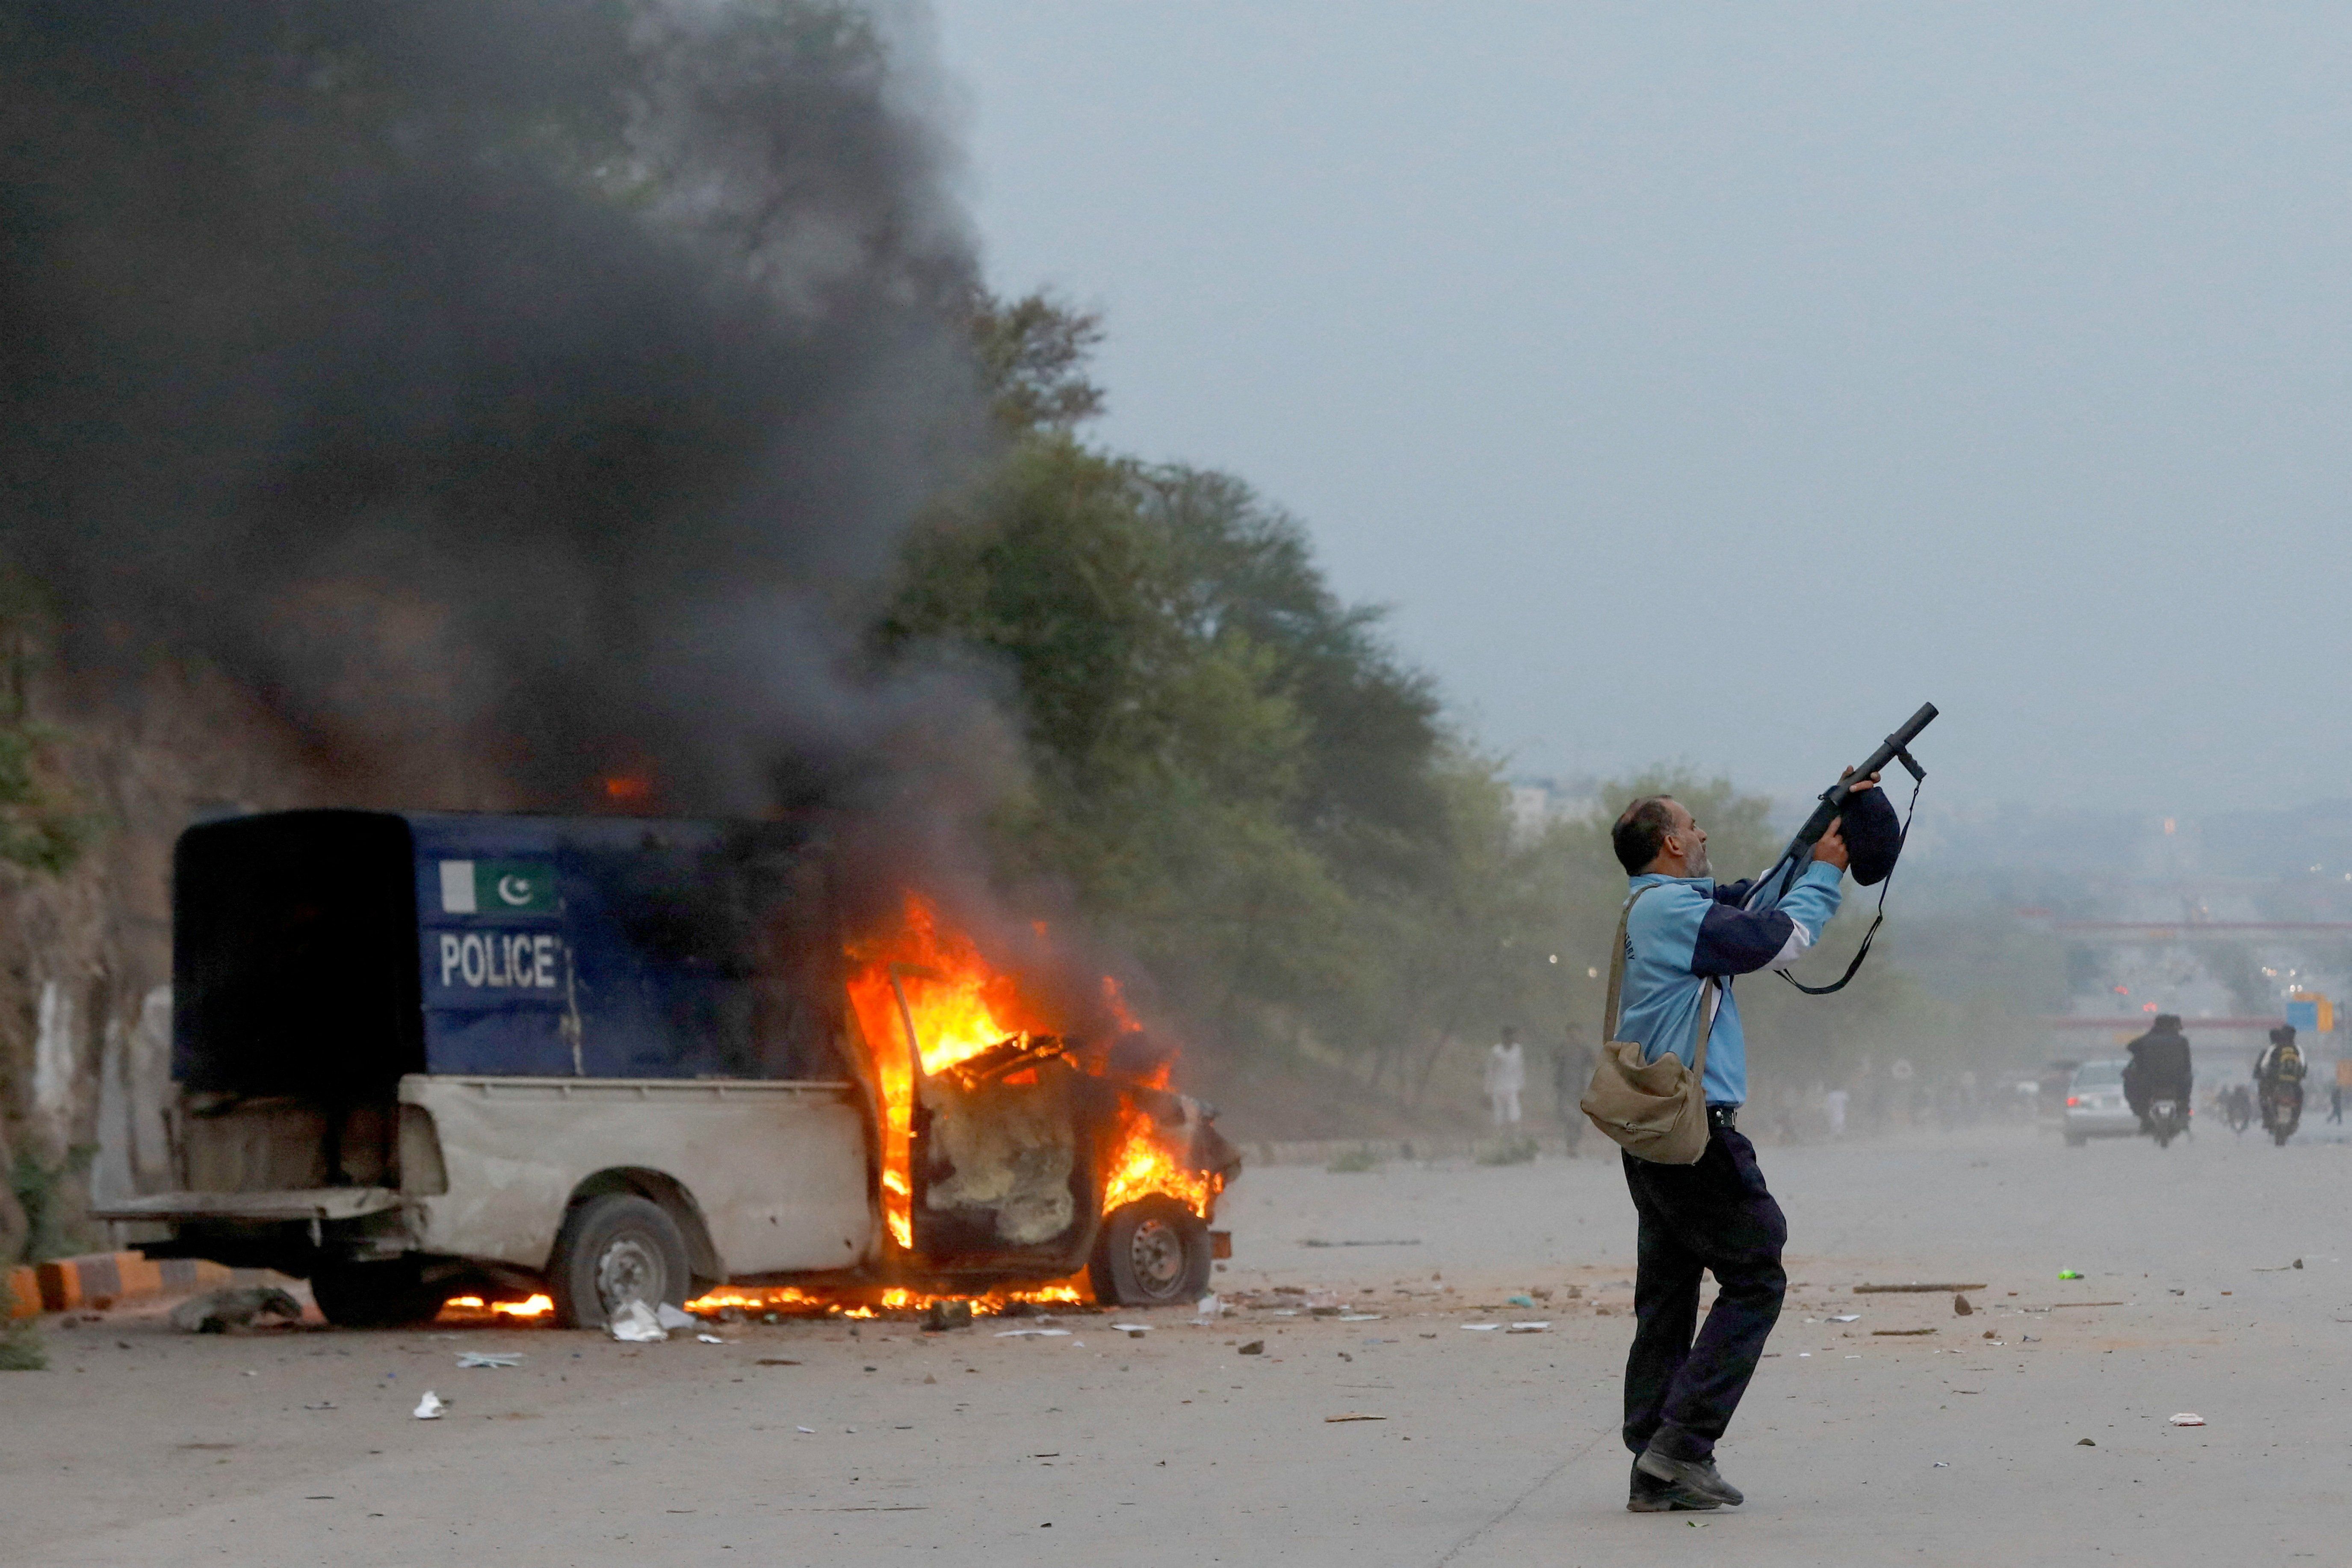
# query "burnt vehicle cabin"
(424, 1054)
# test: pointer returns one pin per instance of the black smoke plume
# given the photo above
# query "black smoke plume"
(521, 398)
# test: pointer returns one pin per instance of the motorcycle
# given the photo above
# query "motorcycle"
(2282, 1110)
(2167, 1118)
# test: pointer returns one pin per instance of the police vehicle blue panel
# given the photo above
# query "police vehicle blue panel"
(599, 948)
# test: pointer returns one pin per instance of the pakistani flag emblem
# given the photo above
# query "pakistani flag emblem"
(497, 887)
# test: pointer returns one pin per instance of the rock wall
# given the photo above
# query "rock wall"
(85, 957)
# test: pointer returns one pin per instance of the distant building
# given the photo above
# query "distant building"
(1538, 803)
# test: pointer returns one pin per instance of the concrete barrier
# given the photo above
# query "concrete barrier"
(71, 1284)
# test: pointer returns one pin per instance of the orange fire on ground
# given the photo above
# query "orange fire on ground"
(788, 1300)
(961, 1006)
(474, 1306)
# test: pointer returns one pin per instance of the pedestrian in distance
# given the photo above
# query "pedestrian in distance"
(1833, 1111)
(1506, 1075)
(1685, 938)
(2335, 1100)
(1571, 1070)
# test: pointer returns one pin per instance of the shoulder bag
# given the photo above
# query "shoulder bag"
(1654, 1111)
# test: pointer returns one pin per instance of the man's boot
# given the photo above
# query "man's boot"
(1650, 1495)
(1696, 1480)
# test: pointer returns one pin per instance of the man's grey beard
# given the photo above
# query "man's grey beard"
(1697, 866)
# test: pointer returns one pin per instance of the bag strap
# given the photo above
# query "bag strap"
(1707, 992)
(1611, 1015)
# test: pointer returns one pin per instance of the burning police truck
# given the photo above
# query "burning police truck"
(597, 1060)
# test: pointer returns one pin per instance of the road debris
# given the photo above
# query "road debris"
(670, 1317)
(2065, 1305)
(1132, 1330)
(1032, 1333)
(713, 1339)
(1359, 1317)
(1961, 1308)
(432, 1407)
(2188, 1419)
(1312, 1241)
(2070, 1274)
(942, 1316)
(2084, 1443)
(1916, 1290)
(1899, 1333)
(1528, 1328)
(487, 1359)
(1845, 1317)
(636, 1324)
(775, 1360)
(1481, 1328)
(2282, 1267)
(1352, 1415)
(234, 1308)
(1255, 1347)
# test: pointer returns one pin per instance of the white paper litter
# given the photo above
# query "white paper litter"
(669, 1317)
(431, 1406)
(1207, 1307)
(712, 1340)
(1032, 1333)
(1847, 1318)
(636, 1324)
(810, 1430)
(1285, 1312)
(1529, 1328)
(1482, 1328)
(487, 1358)
(1132, 1328)
(1359, 1317)
(2188, 1419)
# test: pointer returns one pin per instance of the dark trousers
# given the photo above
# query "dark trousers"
(1712, 1217)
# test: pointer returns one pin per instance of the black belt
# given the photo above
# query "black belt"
(1723, 1118)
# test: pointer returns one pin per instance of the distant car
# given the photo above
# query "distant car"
(2096, 1107)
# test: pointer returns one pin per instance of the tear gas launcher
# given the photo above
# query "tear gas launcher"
(1776, 883)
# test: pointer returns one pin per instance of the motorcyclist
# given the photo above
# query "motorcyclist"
(2280, 1063)
(2158, 1070)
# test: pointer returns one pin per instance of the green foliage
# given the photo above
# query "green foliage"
(40, 829)
(41, 1190)
(21, 1349)
(1032, 354)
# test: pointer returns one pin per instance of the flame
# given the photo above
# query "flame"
(1116, 1000)
(533, 1307)
(1143, 1165)
(628, 789)
(959, 1005)
(789, 1300)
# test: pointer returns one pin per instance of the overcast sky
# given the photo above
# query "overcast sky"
(1717, 383)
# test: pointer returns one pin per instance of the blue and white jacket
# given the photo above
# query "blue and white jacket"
(1691, 928)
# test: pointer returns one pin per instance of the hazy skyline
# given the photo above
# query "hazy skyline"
(1720, 384)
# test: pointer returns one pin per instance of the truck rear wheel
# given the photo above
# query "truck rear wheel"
(1154, 1252)
(386, 1295)
(615, 1249)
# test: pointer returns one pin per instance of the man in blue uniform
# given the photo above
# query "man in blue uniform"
(1716, 1216)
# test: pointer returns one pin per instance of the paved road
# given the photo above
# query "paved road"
(1172, 1448)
